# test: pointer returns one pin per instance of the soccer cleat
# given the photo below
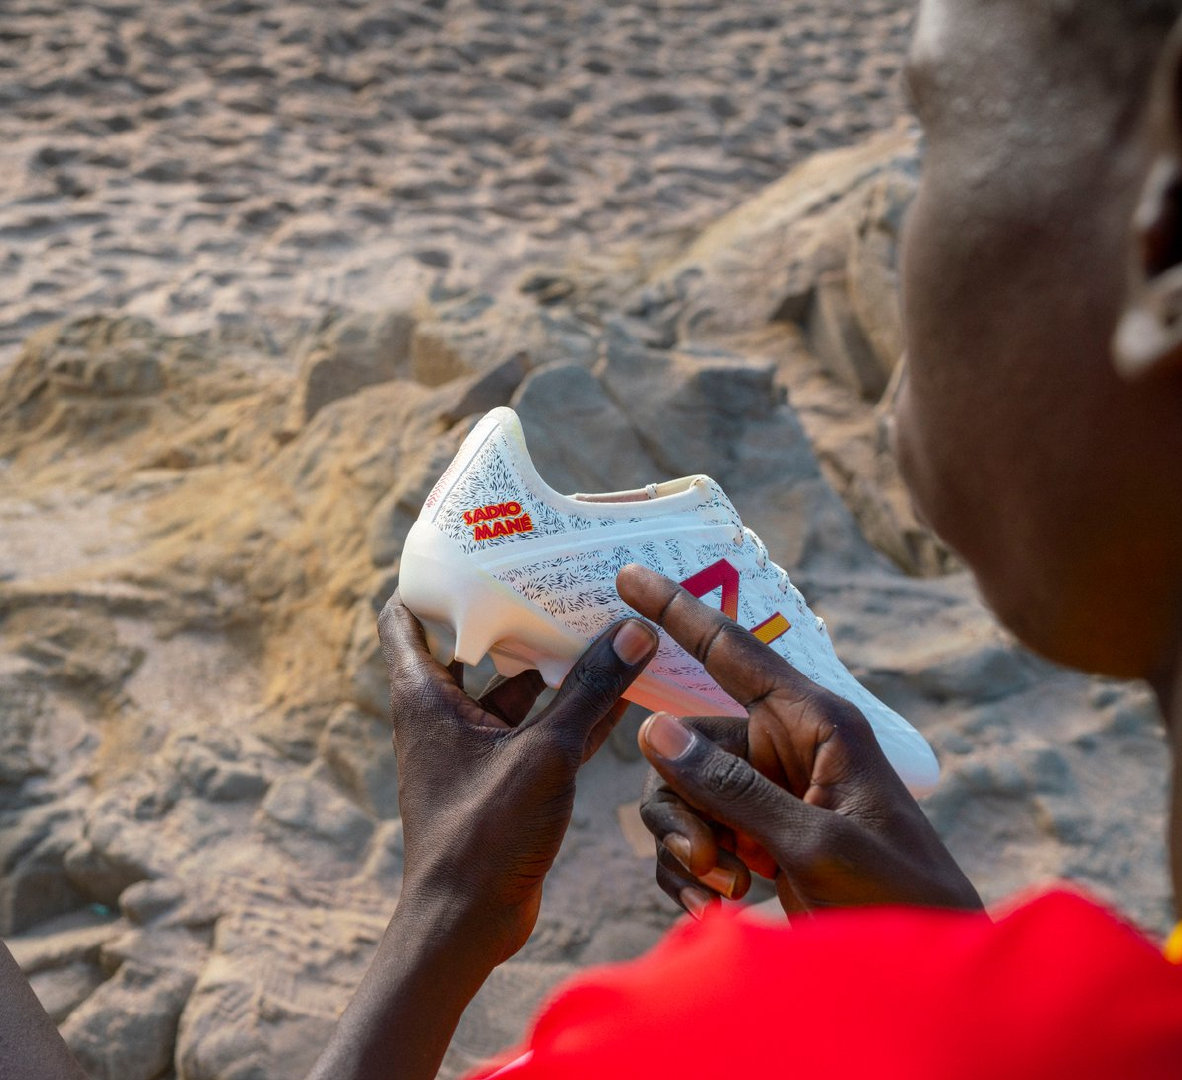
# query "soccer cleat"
(499, 563)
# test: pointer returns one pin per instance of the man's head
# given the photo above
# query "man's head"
(1056, 476)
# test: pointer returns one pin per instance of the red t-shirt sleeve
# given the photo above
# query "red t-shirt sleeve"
(1058, 987)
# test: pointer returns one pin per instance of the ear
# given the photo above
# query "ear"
(1149, 336)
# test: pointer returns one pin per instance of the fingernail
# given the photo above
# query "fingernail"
(695, 901)
(668, 736)
(679, 848)
(721, 881)
(634, 641)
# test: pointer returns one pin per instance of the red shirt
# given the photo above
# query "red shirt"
(1057, 987)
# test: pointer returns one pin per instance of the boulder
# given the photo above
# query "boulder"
(126, 1029)
(358, 749)
(299, 806)
(35, 884)
(579, 438)
(267, 1000)
(761, 262)
(835, 335)
(708, 410)
(353, 351)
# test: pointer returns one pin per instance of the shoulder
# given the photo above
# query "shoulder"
(883, 992)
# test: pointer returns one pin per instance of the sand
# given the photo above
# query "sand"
(213, 163)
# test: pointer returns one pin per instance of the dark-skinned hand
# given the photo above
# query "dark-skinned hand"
(486, 794)
(800, 792)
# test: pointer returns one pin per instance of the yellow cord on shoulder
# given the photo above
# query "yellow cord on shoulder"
(1173, 946)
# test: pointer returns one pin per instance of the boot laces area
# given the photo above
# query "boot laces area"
(744, 536)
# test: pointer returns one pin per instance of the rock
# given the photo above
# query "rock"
(120, 843)
(761, 262)
(126, 1029)
(148, 901)
(514, 989)
(979, 672)
(61, 990)
(97, 877)
(34, 883)
(458, 341)
(163, 946)
(1136, 716)
(293, 731)
(476, 334)
(74, 376)
(22, 753)
(220, 765)
(383, 866)
(483, 391)
(268, 999)
(724, 415)
(312, 809)
(836, 336)
(352, 352)
(873, 261)
(191, 691)
(357, 748)
(565, 411)
(77, 650)
(365, 666)
(621, 940)
(75, 938)
(398, 509)
(440, 353)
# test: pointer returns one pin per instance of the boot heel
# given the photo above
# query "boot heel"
(467, 612)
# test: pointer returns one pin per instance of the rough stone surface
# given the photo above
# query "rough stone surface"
(565, 410)
(353, 352)
(357, 749)
(126, 1029)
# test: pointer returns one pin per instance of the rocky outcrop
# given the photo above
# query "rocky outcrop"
(199, 831)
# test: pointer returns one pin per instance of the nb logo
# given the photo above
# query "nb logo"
(721, 575)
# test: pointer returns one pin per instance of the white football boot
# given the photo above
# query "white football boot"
(499, 563)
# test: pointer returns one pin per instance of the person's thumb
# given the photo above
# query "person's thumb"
(721, 785)
(592, 687)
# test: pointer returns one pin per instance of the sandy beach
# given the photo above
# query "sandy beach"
(260, 162)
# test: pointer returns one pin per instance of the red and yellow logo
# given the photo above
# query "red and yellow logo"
(507, 519)
(721, 575)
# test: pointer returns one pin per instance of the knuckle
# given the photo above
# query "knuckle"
(595, 682)
(719, 633)
(843, 719)
(652, 814)
(728, 776)
(660, 815)
(821, 852)
(389, 616)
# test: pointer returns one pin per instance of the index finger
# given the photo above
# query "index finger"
(738, 661)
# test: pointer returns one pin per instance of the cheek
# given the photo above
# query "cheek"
(951, 412)
(925, 443)
(903, 446)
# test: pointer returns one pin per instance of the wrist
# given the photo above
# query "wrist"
(446, 921)
(429, 965)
